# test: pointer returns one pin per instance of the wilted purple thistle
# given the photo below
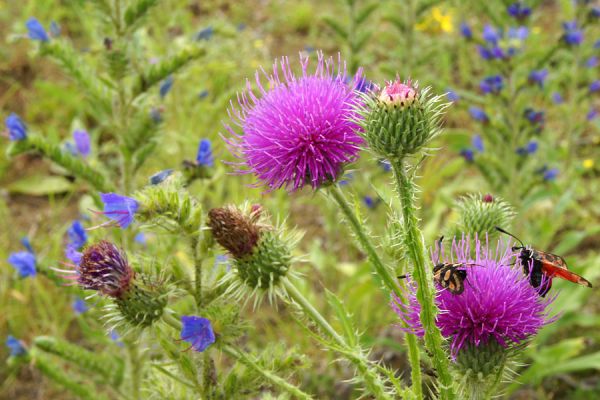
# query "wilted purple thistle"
(572, 36)
(82, 142)
(197, 331)
(492, 84)
(498, 303)
(15, 127)
(121, 209)
(478, 114)
(297, 129)
(36, 31)
(538, 77)
(104, 268)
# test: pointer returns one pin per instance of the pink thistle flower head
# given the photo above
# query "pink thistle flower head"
(498, 303)
(297, 129)
(398, 93)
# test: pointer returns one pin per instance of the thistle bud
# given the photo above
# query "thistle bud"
(261, 253)
(479, 215)
(400, 120)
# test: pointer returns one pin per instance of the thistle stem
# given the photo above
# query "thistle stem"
(388, 280)
(197, 271)
(355, 356)
(425, 296)
(274, 379)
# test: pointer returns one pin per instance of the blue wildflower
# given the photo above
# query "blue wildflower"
(27, 244)
(557, 98)
(519, 11)
(492, 84)
(530, 148)
(535, 117)
(477, 143)
(491, 35)
(592, 114)
(198, 332)
(77, 234)
(550, 174)
(538, 77)
(120, 209)
(572, 36)
(597, 44)
(369, 202)
(465, 31)
(36, 31)
(14, 345)
(452, 95)
(16, 128)
(591, 62)
(519, 33)
(494, 53)
(204, 157)
(115, 337)
(160, 176)
(386, 165)
(595, 12)
(140, 238)
(79, 306)
(467, 154)
(73, 254)
(82, 142)
(346, 179)
(478, 114)
(165, 86)
(205, 34)
(23, 262)
(54, 29)
(203, 94)
(595, 86)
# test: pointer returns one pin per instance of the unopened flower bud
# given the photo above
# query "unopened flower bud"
(235, 231)
(397, 93)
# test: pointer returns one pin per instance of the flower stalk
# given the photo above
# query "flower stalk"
(425, 296)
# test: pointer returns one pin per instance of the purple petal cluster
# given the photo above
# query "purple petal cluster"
(498, 302)
(297, 129)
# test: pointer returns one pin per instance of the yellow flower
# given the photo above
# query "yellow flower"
(588, 163)
(436, 21)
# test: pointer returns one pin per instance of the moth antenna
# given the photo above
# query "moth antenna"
(511, 235)
(439, 242)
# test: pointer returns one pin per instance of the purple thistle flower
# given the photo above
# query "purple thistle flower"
(299, 129)
(36, 31)
(498, 303)
(572, 36)
(160, 176)
(82, 142)
(467, 154)
(15, 346)
(77, 234)
(595, 86)
(79, 306)
(204, 157)
(538, 77)
(165, 86)
(478, 114)
(466, 31)
(519, 11)
(17, 130)
(492, 84)
(24, 262)
(197, 331)
(557, 98)
(120, 209)
(103, 267)
(477, 143)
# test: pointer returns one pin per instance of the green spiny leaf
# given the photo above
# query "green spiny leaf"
(137, 10)
(336, 26)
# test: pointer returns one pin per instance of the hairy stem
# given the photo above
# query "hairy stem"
(388, 280)
(355, 356)
(416, 252)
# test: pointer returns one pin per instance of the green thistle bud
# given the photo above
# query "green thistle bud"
(400, 120)
(142, 305)
(480, 369)
(480, 214)
(261, 253)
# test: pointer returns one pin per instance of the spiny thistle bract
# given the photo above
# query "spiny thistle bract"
(297, 130)
(399, 120)
(479, 215)
(261, 253)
